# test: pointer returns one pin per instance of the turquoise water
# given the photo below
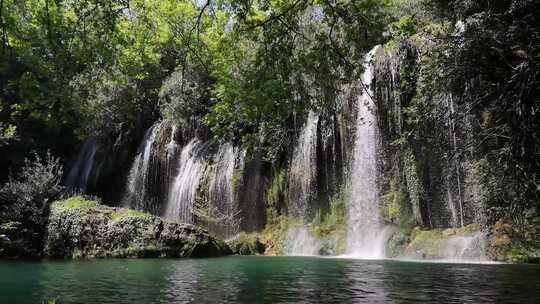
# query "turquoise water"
(266, 280)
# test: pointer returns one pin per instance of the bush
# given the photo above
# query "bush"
(25, 197)
(24, 202)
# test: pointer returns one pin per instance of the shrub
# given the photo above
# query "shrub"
(24, 204)
(25, 197)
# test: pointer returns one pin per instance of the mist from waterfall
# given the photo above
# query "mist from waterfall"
(465, 248)
(365, 231)
(81, 170)
(300, 241)
(303, 169)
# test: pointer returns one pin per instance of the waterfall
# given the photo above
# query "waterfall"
(191, 167)
(194, 168)
(167, 178)
(302, 172)
(220, 194)
(365, 233)
(452, 130)
(136, 194)
(81, 170)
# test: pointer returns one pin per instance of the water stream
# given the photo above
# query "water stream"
(181, 199)
(81, 170)
(136, 193)
(365, 232)
(303, 169)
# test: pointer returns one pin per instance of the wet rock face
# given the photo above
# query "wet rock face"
(247, 244)
(97, 231)
(460, 244)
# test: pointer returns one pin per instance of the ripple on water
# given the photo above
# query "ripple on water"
(268, 280)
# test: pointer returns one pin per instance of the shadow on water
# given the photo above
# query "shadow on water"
(266, 280)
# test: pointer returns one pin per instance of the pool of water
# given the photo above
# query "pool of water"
(266, 280)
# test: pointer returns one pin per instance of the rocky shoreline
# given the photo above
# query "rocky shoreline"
(80, 228)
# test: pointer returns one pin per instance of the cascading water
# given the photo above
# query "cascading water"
(302, 172)
(456, 221)
(135, 195)
(365, 233)
(302, 179)
(220, 194)
(172, 148)
(181, 199)
(165, 178)
(81, 170)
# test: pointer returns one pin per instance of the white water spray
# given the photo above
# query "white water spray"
(365, 234)
(299, 241)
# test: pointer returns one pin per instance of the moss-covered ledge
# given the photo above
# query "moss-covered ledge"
(81, 228)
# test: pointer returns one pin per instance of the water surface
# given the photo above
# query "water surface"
(266, 279)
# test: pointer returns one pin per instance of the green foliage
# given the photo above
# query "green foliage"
(331, 227)
(274, 233)
(25, 200)
(395, 205)
(274, 191)
(94, 204)
(103, 68)
(184, 96)
(489, 64)
(26, 197)
(404, 27)
(333, 221)
(284, 58)
(7, 133)
(236, 178)
(249, 71)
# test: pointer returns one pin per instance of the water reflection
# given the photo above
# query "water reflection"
(268, 280)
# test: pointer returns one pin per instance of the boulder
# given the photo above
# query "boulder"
(246, 244)
(79, 228)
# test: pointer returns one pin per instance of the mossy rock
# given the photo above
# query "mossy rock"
(397, 244)
(80, 228)
(466, 242)
(247, 244)
(507, 244)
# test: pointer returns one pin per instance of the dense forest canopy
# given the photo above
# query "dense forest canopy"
(244, 65)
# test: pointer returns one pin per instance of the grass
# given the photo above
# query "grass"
(74, 203)
(120, 214)
(115, 214)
